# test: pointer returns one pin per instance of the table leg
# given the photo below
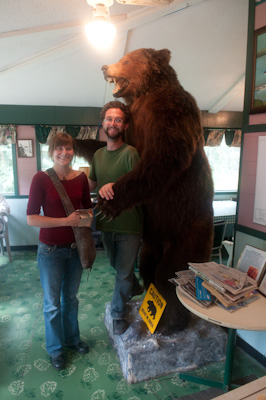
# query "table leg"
(229, 358)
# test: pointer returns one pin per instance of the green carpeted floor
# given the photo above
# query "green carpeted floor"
(26, 372)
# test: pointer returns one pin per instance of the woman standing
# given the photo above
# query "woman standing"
(58, 260)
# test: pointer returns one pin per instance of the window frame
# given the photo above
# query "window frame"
(224, 191)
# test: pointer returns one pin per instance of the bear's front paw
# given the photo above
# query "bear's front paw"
(107, 209)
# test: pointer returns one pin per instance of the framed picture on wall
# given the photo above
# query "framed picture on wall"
(25, 148)
(258, 97)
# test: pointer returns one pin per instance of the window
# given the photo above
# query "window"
(7, 183)
(224, 162)
(46, 161)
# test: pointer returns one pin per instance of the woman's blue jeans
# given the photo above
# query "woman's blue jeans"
(122, 251)
(60, 274)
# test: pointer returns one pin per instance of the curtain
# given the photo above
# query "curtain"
(44, 133)
(87, 132)
(233, 138)
(8, 134)
(214, 137)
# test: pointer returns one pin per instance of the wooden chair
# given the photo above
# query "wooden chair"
(219, 233)
(4, 235)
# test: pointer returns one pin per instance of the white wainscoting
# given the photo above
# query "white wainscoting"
(20, 233)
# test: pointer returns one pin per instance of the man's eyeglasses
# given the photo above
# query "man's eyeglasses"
(117, 121)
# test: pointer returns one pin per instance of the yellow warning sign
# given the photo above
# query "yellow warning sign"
(152, 308)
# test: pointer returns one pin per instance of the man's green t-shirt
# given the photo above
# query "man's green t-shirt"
(108, 166)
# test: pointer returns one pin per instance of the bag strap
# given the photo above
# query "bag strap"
(68, 206)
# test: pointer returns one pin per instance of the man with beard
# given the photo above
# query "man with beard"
(121, 236)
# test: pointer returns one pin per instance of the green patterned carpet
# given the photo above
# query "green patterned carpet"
(26, 372)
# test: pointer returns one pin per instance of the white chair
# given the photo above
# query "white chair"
(219, 233)
(4, 235)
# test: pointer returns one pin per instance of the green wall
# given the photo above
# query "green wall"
(49, 115)
(58, 115)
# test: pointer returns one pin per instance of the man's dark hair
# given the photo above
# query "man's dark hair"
(117, 104)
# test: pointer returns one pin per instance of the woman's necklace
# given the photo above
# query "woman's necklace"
(62, 177)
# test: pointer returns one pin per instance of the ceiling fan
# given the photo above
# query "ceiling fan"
(109, 3)
(100, 31)
(100, 8)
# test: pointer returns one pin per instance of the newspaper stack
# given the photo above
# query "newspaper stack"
(211, 283)
(232, 288)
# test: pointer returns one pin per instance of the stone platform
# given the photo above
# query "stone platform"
(144, 356)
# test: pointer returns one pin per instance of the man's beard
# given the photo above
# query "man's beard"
(115, 137)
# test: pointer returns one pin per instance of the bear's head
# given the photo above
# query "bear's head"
(139, 72)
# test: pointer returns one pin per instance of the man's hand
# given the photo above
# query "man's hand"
(106, 192)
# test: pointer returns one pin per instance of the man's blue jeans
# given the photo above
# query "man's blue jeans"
(122, 251)
(60, 274)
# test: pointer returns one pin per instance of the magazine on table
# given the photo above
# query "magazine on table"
(230, 301)
(185, 276)
(182, 277)
(201, 291)
(187, 284)
(223, 278)
(237, 306)
(189, 289)
(253, 262)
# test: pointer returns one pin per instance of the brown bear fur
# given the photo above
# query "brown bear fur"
(173, 179)
(86, 148)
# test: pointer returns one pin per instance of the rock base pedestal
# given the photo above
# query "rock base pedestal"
(144, 356)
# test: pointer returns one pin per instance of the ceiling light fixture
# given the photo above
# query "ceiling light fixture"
(100, 31)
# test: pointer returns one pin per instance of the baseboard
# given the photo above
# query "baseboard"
(24, 248)
(251, 351)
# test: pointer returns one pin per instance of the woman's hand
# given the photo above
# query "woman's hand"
(106, 192)
(73, 219)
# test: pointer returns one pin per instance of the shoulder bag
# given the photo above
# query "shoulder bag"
(83, 237)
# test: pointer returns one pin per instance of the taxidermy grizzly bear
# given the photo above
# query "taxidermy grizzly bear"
(86, 148)
(173, 178)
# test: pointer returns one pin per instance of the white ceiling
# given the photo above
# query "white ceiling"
(47, 60)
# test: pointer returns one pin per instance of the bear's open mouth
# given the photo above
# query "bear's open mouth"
(120, 83)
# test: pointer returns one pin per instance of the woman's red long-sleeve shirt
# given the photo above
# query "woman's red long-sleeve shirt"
(44, 195)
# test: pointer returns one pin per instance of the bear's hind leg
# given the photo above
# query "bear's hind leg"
(175, 316)
(150, 256)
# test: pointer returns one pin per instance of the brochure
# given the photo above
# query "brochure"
(253, 262)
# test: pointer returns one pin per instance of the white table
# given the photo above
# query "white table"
(247, 318)
(225, 210)
(229, 248)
